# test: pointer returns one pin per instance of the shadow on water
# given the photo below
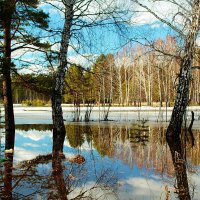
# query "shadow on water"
(137, 149)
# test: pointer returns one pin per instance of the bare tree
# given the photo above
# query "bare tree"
(190, 17)
(57, 114)
(77, 16)
(182, 97)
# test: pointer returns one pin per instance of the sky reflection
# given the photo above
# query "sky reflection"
(139, 170)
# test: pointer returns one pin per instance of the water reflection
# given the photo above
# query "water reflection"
(37, 127)
(179, 161)
(123, 159)
(145, 148)
(55, 176)
(62, 186)
(7, 177)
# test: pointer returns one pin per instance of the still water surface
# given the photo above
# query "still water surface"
(122, 161)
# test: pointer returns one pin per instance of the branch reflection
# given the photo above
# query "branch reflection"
(98, 149)
(55, 176)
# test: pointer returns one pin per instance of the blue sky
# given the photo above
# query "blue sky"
(97, 40)
(108, 38)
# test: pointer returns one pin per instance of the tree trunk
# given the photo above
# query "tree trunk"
(120, 87)
(159, 87)
(7, 91)
(142, 71)
(149, 83)
(182, 96)
(57, 114)
(111, 84)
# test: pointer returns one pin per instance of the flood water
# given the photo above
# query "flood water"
(122, 161)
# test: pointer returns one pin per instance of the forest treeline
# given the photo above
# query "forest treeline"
(133, 76)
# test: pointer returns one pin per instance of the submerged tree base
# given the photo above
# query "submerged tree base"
(179, 161)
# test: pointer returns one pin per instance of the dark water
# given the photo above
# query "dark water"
(122, 161)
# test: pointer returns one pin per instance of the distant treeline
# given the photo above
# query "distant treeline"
(133, 143)
(130, 77)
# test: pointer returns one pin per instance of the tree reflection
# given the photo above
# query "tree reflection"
(7, 180)
(128, 143)
(177, 152)
(58, 177)
(6, 172)
(53, 176)
(65, 181)
(38, 127)
(75, 135)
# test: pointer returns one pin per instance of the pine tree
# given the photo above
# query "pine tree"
(17, 20)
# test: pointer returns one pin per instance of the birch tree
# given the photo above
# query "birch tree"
(78, 15)
(189, 14)
(57, 114)
(182, 96)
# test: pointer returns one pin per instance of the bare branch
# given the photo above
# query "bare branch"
(161, 19)
(195, 67)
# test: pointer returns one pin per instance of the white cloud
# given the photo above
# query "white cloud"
(198, 41)
(31, 145)
(35, 135)
(141, 188)
(29, 60)
(164, 9)
(88, 10)
(194, 180)
(55, 47)
(94, 191)
(156, 25)
(24, 154)
(83, 60)
(144, 18)
(33, 69)
(22, 51)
